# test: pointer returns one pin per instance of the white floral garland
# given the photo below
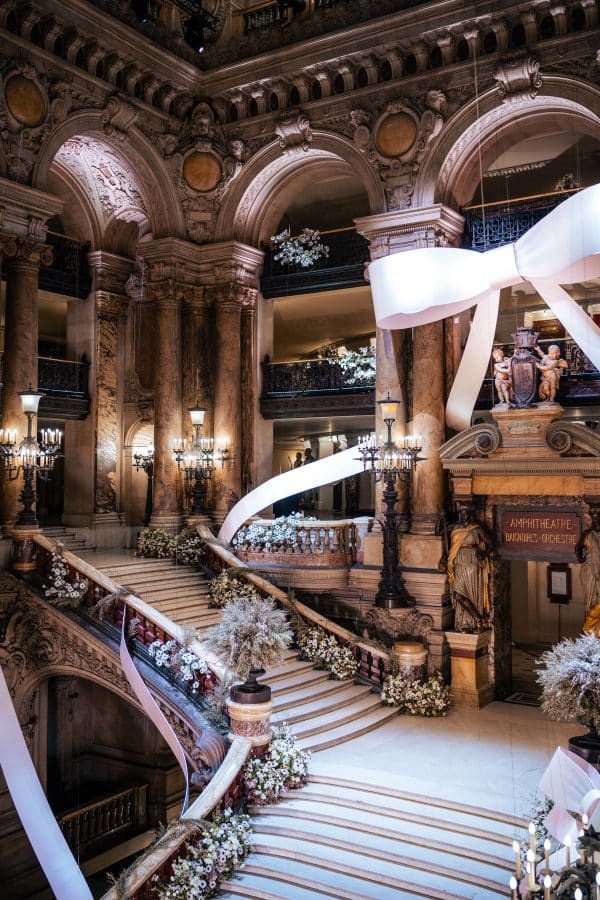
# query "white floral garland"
(187, 665)
(358, 366)
(284, 767)
(61, 591)
(280, 532)
(321, 648)
(431, 698)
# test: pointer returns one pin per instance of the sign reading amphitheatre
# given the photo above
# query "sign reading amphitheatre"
(539, 534)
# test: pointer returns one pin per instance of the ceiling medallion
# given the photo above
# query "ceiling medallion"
(202, 171)
(25, 101)
(396, 134)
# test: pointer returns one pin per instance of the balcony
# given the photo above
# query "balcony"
(496, 224)
(343, 268)
(314, 387)
(64, 383)
(69, 273)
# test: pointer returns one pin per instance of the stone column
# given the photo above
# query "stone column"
(228, 396)
(428, 419)
(166, 507)
(109, 310)
(249, 389)
(22, 259)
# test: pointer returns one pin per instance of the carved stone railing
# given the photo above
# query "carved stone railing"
(319, 543)
(502, 223)
(107, 817)
(373, 662)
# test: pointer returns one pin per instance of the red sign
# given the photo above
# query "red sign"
(539, 534)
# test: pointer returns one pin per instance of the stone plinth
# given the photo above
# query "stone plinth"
(24, 549)
(411, 657)
(421, 551)
(250, 720)
(470, 683)
(526, 429)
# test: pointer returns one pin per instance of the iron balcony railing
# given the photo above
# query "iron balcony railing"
(69, 273)
(343, 267)
(312, 376)
(64, 383)
(495, 224)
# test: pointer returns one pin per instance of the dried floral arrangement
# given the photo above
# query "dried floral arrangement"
(279, 533)
(569, 674)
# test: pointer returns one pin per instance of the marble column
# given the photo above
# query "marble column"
(249, 389)
(109, 310)
(166, 506)
(22, 259)
(428, 419)
(228, 396)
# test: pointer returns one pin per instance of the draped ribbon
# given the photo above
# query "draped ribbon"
(42, 829)
(304, 478)
(418, 287)
(574, 786)
(152, 709)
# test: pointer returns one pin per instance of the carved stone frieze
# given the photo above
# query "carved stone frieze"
(518, 78)
(382, 624)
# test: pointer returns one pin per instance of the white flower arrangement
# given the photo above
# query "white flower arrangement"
(431, 698)
(155, 543)
(189, 549)
(321, 648)
(566, 182)
(186, 664)
(303, 250)
(226, 587)
(275, 535)
(358, 366)
(224, 844)
(61, 591)
(284, 767)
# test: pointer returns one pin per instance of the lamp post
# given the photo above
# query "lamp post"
(390, 462)
(200, 461)
(143, 460)
(29, 457)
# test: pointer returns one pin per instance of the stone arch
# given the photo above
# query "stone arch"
(134, 483)
(259, 195)
(477, 133)
(162, 204)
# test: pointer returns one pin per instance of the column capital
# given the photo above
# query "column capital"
(110, 305)
(25, 251)
(168, 291)
(25, 211)
(409, 229)
(233, 294)
(111, 272)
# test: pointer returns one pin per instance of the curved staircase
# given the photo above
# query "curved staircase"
(343, 839)
(323, 712)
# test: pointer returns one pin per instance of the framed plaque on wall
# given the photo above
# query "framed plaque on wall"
(559, 582)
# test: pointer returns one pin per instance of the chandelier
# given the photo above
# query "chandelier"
(199, 461)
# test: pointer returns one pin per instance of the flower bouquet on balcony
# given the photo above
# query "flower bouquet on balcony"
(303, 249)
(358, 366)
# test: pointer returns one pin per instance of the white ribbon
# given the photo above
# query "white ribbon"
(574, 786)
(422, 286)
(42, 829)
(304, 478)
(152, 709)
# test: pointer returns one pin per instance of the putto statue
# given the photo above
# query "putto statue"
(502, 379)
(468, 569)
(550, 368)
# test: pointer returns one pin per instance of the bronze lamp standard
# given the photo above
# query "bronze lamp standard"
(29, 457)
(143, 461)
(200, 461)
(389, 462)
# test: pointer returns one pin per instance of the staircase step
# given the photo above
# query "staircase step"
(302, 695)
(289, 668)
(171, 577)
(259, 883)
(341, 698)
(347, 732)
(350, 713)
(295, 682)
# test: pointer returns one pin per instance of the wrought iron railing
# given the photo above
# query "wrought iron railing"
(496, 224)
(63, 376)
(106, 817)
(343, 267)
(266, 16)
(311, 376)
(69, 273)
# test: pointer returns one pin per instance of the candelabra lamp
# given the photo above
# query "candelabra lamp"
(143, 461)
(199, 461)
(29, 457)
(390, 463)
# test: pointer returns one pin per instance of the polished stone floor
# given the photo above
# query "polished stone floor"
(492, 757)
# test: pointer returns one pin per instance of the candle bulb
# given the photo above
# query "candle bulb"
(517, 850)
(547, 855)
(531, 869)
(597, 885)
(513, 888)
(578, 895)
(547, 887)
(531, 829)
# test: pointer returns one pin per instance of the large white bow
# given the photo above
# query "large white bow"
(574, 787)
(422, 286)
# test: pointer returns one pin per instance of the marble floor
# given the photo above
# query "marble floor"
(491, 757)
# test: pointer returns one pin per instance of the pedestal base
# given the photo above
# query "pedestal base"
(250, 720)
(24, 551)
(470, 681)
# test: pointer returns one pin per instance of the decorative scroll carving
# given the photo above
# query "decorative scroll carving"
(293, 132)
(518, 78)
(567, 437)
(479, 440)
(118, 117)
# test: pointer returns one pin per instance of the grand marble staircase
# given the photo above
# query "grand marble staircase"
(343, 839)
(323, 712)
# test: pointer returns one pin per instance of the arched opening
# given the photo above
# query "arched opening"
(490, 42)
(410, 64)
(462, 50)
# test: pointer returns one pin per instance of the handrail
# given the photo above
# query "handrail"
(213, 796)
(473, 206)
